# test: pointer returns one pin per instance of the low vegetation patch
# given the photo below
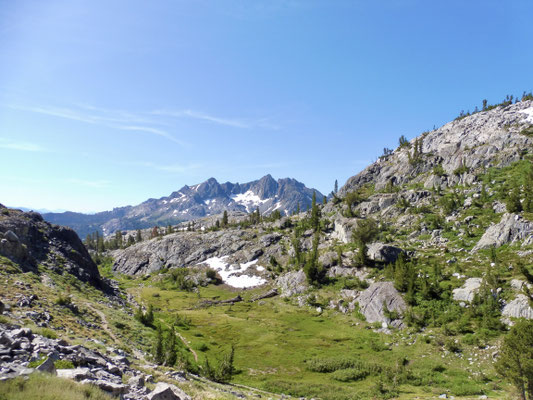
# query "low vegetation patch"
(46, 387)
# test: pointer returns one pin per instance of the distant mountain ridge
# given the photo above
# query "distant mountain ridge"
(192, 202)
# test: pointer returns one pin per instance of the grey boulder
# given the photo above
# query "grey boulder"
(383, 252)
(372, 303)
(468, 290)
(511, 228)
(166, 391)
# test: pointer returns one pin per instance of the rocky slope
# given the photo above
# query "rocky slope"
(192, 202)
(485, 139)
(29, 241)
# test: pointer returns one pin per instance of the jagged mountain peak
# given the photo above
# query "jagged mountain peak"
(197, 201)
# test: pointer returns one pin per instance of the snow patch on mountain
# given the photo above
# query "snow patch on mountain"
(249, 200)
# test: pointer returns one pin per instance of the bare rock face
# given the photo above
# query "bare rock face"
(468, 290)
(182, 249)
(166, 391)
(383, 252)
(484, 139)
(511, 228)
(292, 283)
(26, 239)
(343, 229)
(518, 308)
(372, 303)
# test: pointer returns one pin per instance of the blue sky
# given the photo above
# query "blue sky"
(108, 103)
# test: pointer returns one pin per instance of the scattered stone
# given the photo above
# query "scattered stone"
(76, 374)
(166, 391)
(292, 283)
(136, 381)
(468, 290)
(11, 236)
(47, 366)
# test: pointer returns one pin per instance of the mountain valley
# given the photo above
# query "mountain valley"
(414, 280)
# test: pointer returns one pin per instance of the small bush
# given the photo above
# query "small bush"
(350, 374)
(63, 300)
(47, 333)
(211, 274)
(63, 364)
(201, 347)
(527, 131)
(36, 363)
(119, 325)
(452, 346)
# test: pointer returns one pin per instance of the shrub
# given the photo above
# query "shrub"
(350, 374)
(119, 325)
(36, 363)
(145, 318)
(324, 365)
(452, 346)
(63, 364)
(461, 170)
(63, 300)
(438, 170)
(211, 274)
(527, 131)
(47, 333)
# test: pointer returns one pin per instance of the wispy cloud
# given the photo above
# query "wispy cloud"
(232, 122)
(115, 119)
(153, 131)
(21, 146)
(175, 168)
(99, 184)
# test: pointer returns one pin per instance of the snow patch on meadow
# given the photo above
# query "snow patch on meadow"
(233, 274)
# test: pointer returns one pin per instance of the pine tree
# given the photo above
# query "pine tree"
(313, 271)
(100, 245)
(226, 369)
(171, 355)
(118, 239)
(158, 352)
(336, 188)
(528, 190)
(513, 203)
(403, 142)
(366, 231)
(130, 241)
(516, 358)
(315, 214)
(225, 219)
(138, 237)
(169, 229)
(297, 249)
(208, 371)
(149, 317)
